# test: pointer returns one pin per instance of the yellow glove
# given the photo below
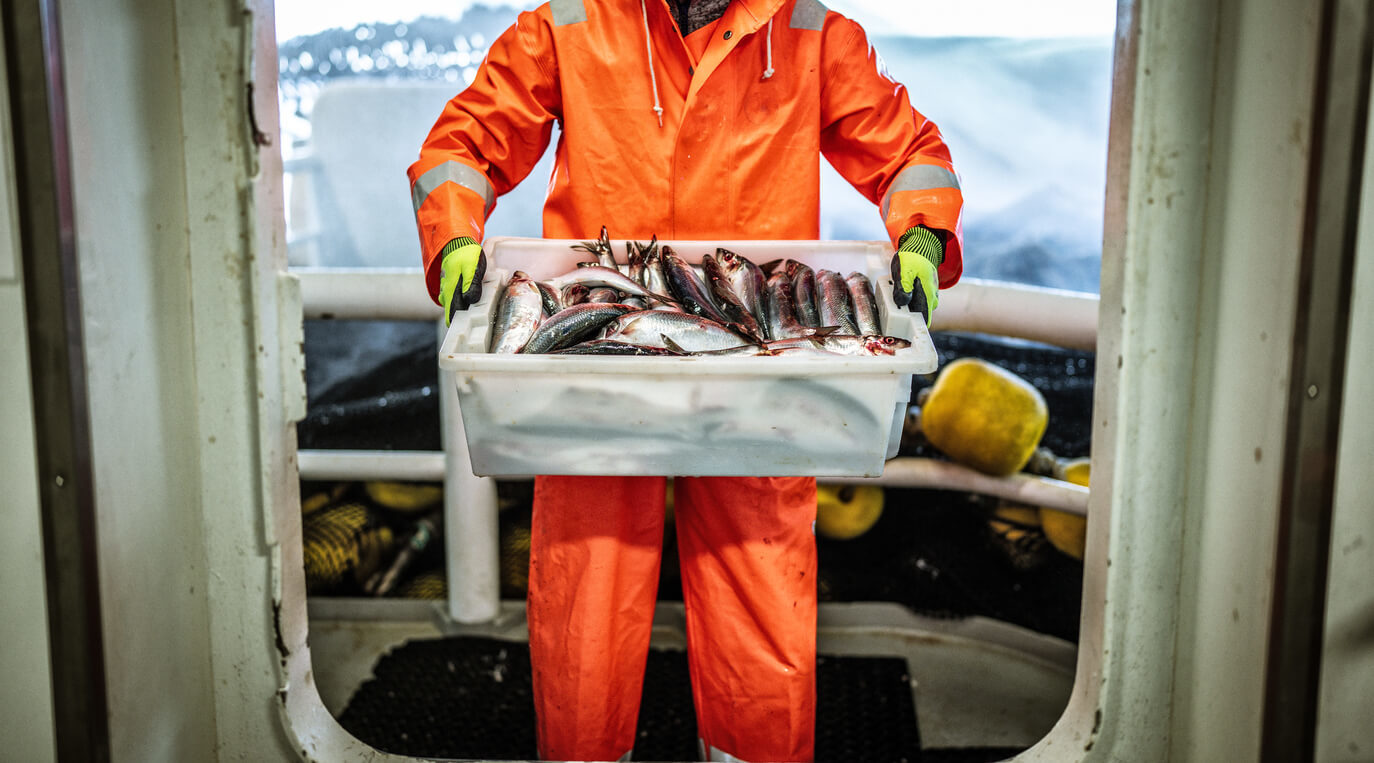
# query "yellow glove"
(462, 265)
(919, 254)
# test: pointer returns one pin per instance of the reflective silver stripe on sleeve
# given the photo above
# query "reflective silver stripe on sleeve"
(808, 14)
(920, 177)
(453, 172)
(567, 11)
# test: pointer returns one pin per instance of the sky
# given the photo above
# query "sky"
(939, 18)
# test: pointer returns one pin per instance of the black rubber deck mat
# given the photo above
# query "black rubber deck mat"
(466, 697)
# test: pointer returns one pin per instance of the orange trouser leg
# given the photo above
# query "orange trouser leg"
(595, 544)
(749, 581)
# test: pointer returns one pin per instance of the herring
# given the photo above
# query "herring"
(729, 304)
(804, 297)
(781, 310)
(571, 325)
(601, 248)
(614, 347)
(747, 280)
(833, 305)
(592, 276)
(865, 304)
(649, 327)
(832, 344)
(684, 284)
(518, 316)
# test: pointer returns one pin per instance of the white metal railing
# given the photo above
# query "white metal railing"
(424, 466)
(1066, 319)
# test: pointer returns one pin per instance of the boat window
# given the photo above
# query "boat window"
(360, 86)
(1019, 92)
(1021, 95)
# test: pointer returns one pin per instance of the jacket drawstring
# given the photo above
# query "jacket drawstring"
(768, 71)
(648, 46)
(653, 79)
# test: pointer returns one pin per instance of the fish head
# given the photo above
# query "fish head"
(795, 269)
(728, 260)
(884, 345)
(575, 293)
(711, 267)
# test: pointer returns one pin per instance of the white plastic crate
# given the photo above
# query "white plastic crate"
(686, 416)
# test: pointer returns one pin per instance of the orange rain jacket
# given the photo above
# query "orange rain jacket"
(731, 154)
(720, 144)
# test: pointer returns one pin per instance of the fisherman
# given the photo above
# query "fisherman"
(685, 119)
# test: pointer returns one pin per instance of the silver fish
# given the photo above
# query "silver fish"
(832, 302)
(804, 295)
(727, 301)
(781, 312)
(601, 248)
(573, 294)
(684, 284)
(571, 325)
(553, 300)
(640, 261)
(747, 280)
(649, 327)
(597, 275)
(654, 279)
(865, 304)
(613, 347)
(787, 265)
(833, 344)
(603, 294)
(634, 259)
(739, 350)
(846, 344)
(518, 315)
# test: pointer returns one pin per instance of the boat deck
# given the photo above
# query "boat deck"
(892, 685)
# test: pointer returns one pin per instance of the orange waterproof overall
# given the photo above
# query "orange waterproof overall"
(715, 140)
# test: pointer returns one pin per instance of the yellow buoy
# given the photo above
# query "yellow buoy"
(405, 496)
(1016, 531)
(1068, 532)
(984, 416)
(847, 511)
